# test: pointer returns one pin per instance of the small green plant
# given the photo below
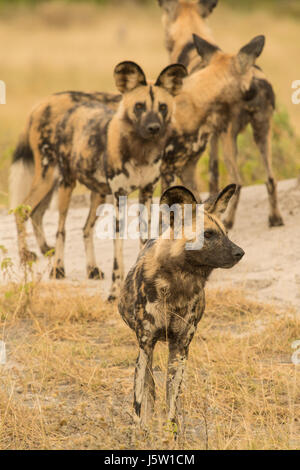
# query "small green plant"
(50, 253)
(21, 211)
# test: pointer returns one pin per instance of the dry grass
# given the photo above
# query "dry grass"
(68, 380)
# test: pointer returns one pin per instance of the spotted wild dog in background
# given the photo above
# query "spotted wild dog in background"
(181, 20)
(163, 299)
(205, 105)
(109, 152)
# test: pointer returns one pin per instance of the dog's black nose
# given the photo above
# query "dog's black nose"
(153, 128)
(238, 253)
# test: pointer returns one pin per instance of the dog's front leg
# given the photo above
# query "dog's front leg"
(144, 388)
(118, 266)
(145, 200)
(176, 364)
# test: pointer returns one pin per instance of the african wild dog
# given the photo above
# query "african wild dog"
(38, 143)
(109, 152)
(205, 104)
(163, 298)
(181, 20)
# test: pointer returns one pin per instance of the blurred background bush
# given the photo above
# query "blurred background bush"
(51, 46)
(291, 7)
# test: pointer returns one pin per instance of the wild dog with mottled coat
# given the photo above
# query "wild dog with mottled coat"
(204, 106)
(163, 297)
(38, 144)
(109, 152)
(182, 19)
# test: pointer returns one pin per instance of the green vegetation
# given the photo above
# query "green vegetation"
(288, 7)
(286, 154)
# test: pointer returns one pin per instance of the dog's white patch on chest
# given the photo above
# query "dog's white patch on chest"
(135, 177)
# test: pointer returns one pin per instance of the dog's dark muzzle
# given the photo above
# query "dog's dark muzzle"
(153, 129)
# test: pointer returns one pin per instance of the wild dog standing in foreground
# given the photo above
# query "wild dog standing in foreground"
(163, 296)
(110, 153)
(181, 20)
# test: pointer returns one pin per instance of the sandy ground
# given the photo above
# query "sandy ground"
(270, 270)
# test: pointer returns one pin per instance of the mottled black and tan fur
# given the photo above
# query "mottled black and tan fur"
(205, 105)
(182, 19)
(163, 297)
(37, 147)
(110, 152)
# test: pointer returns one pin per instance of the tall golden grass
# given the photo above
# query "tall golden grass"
(69, 376)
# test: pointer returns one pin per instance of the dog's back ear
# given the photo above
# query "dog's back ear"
(169, 6)
(177, 195)
(249, 53)
(205, 49)
(217, 205)
(171, 78)
(128, 76)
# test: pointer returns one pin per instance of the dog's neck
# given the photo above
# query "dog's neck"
(196, 101)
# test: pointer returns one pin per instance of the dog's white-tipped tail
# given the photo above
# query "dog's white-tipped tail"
(21, 174)
(20, 180)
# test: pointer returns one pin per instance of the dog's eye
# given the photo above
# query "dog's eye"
(208, 234)
(139, 106)
(163, 108)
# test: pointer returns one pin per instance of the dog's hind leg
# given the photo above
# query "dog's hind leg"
(93, 271)
(37, 222)
(41, 188)
(64, 197)
(144, 388)
(230, 151)
(262, 132)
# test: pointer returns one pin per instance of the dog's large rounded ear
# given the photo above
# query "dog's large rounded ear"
(128, 76)
(217, 205)
(206, 7)
(205, 49)
(177, 195)
(249, 53)
(171, 78)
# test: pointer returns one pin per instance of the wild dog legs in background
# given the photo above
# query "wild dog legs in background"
(181, 19)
